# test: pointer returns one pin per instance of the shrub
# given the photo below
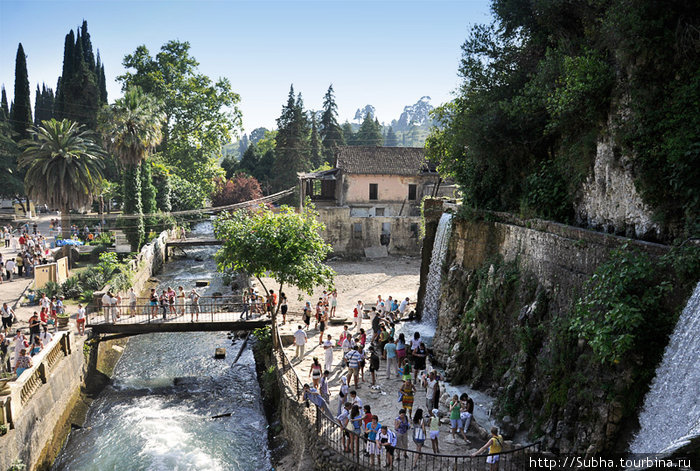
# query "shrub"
(71, 288)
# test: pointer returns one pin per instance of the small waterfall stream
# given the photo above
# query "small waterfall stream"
(437, 259)
(671, 413)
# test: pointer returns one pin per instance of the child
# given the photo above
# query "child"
(434, 428)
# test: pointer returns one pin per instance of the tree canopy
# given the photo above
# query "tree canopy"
(283, 244)
(200, 114)
(544, 81)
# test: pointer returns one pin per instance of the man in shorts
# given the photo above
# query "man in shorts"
(386, 439)
(353, 358)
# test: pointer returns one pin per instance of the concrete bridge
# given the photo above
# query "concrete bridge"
(214, 315)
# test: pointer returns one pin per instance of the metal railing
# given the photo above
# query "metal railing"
(207, 309)
(336, 437)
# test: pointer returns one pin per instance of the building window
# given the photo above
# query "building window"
(357, 230)
(385, 237)
(373, 188)
(379, 212)
(412, 192)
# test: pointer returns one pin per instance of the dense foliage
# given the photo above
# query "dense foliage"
(238, 189)
(545, 80)
(21, 106)
(282, 244)
(200, 114)
(624, 307)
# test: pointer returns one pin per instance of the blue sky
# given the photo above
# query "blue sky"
(384, 53)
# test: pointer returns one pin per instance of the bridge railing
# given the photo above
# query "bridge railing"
(336, 437)
(207, 309)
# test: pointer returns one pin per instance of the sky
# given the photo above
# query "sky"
(385, 53)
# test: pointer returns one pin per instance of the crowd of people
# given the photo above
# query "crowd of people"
(32, 249)
(382, 352)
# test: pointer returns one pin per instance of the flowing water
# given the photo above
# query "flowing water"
(670, 417)
(156, 414)
(431, 305)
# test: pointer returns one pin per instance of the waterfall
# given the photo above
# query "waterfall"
(671, 413)
(431, 303)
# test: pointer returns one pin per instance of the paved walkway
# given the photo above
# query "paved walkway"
(398, 278)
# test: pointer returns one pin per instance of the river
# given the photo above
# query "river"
(156, 414)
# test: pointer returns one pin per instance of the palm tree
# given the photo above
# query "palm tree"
(64, 166)
(132, 127)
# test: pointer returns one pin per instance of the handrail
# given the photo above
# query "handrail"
(333, 435)
(23, 388)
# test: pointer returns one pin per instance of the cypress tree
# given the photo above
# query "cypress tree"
(38, 105)
(131, 192)
(22, 112)
(60, 105)
(148, 197)
(4, 110)
(103, 86)
(88, 55)
(348, 134)
(391, 140)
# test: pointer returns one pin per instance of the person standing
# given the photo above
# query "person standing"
(300, 339)
(80, 319)
(455, 416)
(401, 426)
(23, 362)
(34, 327)
(323, 388)
(358, 313)
(283, 307)
(434, 428)
(353, 360)
(328, 348)
(429, 384)
(373, 364)
(315, 372)
(419, 360)
(307, 315)
(407, 395)
(153, 301)
(180, 301)
(194, 305)
(322, 324)
(8, 315)
(334, 302)
(10, 268)
(495, 445)
(391, 364)
(106, 305)
(387, 439)
(418, 434)
(132, 302)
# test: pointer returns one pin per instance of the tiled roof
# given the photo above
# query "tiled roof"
(382, 160)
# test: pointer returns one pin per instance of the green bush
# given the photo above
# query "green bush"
(51, 289)
(71, 288)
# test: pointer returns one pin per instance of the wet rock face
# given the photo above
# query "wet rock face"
(507, 292)
(609, 200)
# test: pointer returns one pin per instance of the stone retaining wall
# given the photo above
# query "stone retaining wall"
(39, 416)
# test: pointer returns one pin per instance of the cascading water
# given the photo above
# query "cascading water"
(671, 413)
(157, 413)
(431, 303)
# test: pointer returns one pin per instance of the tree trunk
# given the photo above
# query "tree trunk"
(65, 233)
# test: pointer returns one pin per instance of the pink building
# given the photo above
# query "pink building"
(370, 202)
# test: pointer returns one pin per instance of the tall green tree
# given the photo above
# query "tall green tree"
(370, 133)
(11, 179)
(292, 143)
(43, 104)
(22, 109)
(284, 245)
(200, 115)
(331, 133)
(390, 140)
(64, 165)
(78, 93)
(315, 150)
(4, 109)
(132, 127)
(348, 134)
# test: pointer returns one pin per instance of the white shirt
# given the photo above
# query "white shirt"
(300, 337)
(10, 265)
(402, 306)
(45, 337)
(328, 346)
(415, 343)
(45, 302)
(106, 300)
(81, 313)
(132, 296)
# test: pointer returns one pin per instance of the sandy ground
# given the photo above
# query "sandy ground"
(397, 277)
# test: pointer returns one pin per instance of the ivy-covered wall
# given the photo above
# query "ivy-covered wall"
(562, 325)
